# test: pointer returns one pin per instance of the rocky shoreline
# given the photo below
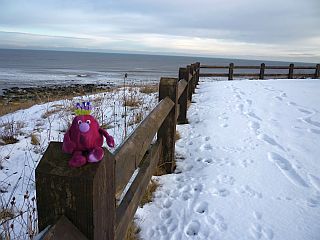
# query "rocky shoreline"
(17, 94)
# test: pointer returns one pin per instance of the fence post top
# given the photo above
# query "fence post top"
(55, 162)
(168, 81)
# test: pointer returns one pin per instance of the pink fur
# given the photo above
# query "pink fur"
(84, 139)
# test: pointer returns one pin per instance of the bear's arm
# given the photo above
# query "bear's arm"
(68, 146)
(110, 140)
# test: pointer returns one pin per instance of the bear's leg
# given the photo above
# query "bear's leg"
(77, 159)
(95, 155)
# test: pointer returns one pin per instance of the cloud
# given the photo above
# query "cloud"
(239, 28)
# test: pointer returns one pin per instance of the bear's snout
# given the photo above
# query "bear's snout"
(84, 127)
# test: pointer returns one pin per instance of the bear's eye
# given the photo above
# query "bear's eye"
(88, 121)
(79, 122)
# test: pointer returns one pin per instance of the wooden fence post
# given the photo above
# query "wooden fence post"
(167, 131)
(291, 67)
(188, 79)
(317, 72)
(193, 80)
(262, 67)
(198, 72)
(230, 76)
(85, 195)
(183, 100)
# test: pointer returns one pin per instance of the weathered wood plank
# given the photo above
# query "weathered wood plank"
(182, 84)
(246, 67)
(63, 230)
(213, 74)
(167, 131)
(188, 79)
(130, 153)
(304, 67)
(246, 75)
(213, 66)
(104, 202)
(183, 98)
(131, 200)
(277, 67)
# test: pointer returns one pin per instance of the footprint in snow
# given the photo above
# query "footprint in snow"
(217, 221)
(269, 140)
(306, 111)
(315, 181)
(257, 230)
(254, 126)
(253, 115)
(193, 228)
(292, 104)
(167, 203)
(283, 94)
(249, 102)
(221, 192)
(246, 162)
(315, 131)
(165, 214)
(279, 98)
(313, 201)
(239, 107)
(201, 208)
(247, 190)
(287, 170)
(206, 147)
(311, 122)
(225, 179)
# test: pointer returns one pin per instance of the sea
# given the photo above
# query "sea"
(31, 68)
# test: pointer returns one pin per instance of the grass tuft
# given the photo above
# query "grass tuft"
(132, 102)
(34, 139)
(148, 195)
(149, 89)
(6, 214)
(132, 232)
(177, 136)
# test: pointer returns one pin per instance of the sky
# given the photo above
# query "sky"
(250, 29)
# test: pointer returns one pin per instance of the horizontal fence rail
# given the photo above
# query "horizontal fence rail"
(262, 74)
(85, 198)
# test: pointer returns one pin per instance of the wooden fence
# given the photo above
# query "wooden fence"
(80, 203)
(261, 74)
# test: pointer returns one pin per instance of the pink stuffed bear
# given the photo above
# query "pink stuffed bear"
(84, 138)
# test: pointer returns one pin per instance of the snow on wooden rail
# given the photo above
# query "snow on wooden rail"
(86, 196)
(262, 75)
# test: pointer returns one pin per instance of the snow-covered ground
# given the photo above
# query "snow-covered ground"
(248, 165)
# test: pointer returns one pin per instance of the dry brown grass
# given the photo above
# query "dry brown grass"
(34, 139)
(177, 136)
(132, 232)
(149, 89)
(48, 113)
(148, 195)
(6, 214)
(15, 106)
(132, 102)
(9, 107)
(10, 131)
(137, 118)
(9, 140)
